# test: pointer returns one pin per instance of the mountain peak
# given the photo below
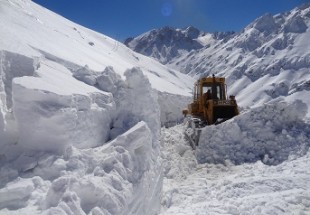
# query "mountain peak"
(192, 32)
(165, 43)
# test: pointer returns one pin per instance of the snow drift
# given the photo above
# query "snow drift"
(270, 133)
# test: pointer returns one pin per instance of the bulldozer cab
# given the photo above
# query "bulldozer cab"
(209, 89)
(210, 101)
(213, 91)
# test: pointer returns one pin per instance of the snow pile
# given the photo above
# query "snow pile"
(251, 188)
(136, 101)
(121, 177)
(270, 133)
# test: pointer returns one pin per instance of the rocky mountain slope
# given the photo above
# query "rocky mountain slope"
(269, 58)
(167, 44)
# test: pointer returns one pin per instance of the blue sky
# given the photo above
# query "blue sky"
(121, 19)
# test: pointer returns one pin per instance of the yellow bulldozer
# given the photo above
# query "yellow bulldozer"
(210, 106)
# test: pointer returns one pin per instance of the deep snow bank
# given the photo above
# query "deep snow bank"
(121, 177)
(56, 113)
(269, 133)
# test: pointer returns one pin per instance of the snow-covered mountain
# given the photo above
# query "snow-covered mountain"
(167, 44)
(269, 58)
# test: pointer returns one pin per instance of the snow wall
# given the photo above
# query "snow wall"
(11, 65)
(57, 159)
(171, 107)
(270, 133)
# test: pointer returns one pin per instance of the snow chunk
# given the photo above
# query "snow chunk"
(136, 101)
(15, 194)
(85, 75)
(269, 133)
(13, 65)
(18, 193)
(108, 80)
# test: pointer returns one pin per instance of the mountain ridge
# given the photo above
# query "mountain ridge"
(167, 43)
(265, 25)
